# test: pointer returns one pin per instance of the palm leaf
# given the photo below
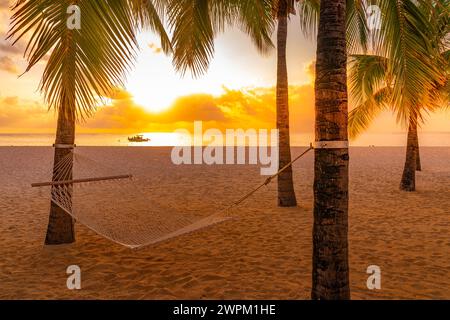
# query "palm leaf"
(149, 14)
(196, 23)
(406, 39)
(84, 65)
(367, 74)
(256, 19)
(309, 11)
(362, 116)
(358, 33)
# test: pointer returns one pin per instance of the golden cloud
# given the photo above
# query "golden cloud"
(246, 108)
(8, 65)
(310, 70)
(20, 115)
(155, 48)
(5, 4)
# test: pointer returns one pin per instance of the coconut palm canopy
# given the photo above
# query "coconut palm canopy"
(407, 56)
(408, 76)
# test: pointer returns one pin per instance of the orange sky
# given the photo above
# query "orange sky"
(237, 92)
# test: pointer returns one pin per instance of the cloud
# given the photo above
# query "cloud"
(6, 47)
(8, 65)
(310, 70)
(5, 4)
(22, 115)
(246, 108)
(194, 107)
(13, 52)
(125, 115)
(155, 48)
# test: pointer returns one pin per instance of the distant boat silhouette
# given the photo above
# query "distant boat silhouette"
(138, 138)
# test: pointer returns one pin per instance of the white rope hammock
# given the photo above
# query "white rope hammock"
(115, 206)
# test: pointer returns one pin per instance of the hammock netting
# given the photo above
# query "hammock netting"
(118, 205)
(115, 205)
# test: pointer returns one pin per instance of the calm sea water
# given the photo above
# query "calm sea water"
(157, 139)
(174, 139)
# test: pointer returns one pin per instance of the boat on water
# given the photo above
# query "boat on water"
(138, 138)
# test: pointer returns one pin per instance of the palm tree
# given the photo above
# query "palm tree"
(330, 278)
(379, 100)
(417, 65)
(378, 83)
(435, 41)
(84, 65)
(286, 193)
(341, 27)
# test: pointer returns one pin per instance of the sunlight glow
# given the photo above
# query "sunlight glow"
(155, 85)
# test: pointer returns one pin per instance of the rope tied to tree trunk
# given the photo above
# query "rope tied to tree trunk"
(64, 146)
(331, 145)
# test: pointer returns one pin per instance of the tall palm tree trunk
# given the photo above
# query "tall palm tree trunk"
(418, 162)
(286, 193)
(60, 228)
(408, 182)
(330, 278)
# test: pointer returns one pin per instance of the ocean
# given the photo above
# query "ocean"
(158, 139)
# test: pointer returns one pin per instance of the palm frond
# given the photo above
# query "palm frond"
(255, 19)
(358, 34)
(357, 28)
(309, 11)
(367, 73)
(406, 38)
(84, 65)
(362, 116)
(193, 34)
(149, 14)
(196, 23)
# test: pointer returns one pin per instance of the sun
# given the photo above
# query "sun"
(152, 102)
(155, 84)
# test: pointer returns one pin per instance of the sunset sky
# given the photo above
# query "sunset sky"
(237, 92)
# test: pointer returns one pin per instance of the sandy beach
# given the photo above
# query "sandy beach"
(265, 253)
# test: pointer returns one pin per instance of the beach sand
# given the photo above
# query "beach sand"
(263, 254)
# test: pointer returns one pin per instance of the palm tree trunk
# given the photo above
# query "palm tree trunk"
(330, 278)
(286, 193)
(60, 228)
(408, 182)
(418, 162)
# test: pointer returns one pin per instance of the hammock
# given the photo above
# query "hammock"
(115, 206)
